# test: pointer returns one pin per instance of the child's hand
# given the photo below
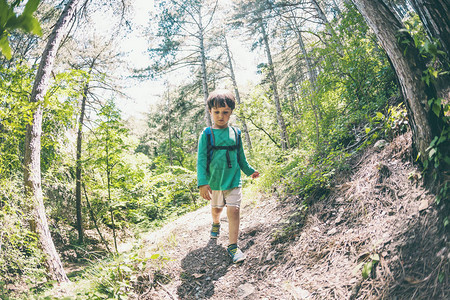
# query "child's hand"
(205, 192)
(255, 175)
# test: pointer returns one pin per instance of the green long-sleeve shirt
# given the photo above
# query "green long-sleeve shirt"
(220, 176)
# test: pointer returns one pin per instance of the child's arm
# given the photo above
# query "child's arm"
(244, 165)
(202, 178)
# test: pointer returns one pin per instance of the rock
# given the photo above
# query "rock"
(332, 231)
(245, 290)
(423, 205)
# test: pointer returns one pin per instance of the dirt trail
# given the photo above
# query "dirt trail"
(377, 208)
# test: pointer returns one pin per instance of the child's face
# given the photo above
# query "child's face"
(221, 116)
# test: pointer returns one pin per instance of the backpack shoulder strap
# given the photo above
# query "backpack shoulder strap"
(237, 134)
(210, 142)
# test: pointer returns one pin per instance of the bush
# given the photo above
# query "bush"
(20, 257)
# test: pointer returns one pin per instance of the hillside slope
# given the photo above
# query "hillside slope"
(378, 211)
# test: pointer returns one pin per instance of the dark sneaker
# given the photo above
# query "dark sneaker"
(215, 231)
(236, 254)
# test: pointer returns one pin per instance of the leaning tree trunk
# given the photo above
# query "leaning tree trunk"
(276, 97)
(435, 16)
(32, 163)
(323, 17)
(203, 69)
(408, 66)
(236, 91)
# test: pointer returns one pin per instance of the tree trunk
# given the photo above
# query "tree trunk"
(169, 125)
(435, 16)
(203, 69)
(109, 168)
(408, 67)
(323, 17)
(236, 91)
(32, 163)
(78, 167)
(276, 97)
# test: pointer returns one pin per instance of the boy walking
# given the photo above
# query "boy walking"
(220, 161)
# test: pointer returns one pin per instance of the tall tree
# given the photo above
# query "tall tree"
(292, 21)
(78, 182)
(236, 90)
(273, 80)
(409, 67)
(321, 15)
(253, 12)
(182, 30)
(32, 164)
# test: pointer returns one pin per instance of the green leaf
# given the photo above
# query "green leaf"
(367, 268)
(31, 7)
(155, 256)
(367, 130)
(434, 73)
(6, 12)
(433, 142)
(436, 109)
(380, 115)
(32, 25)
(4, 47)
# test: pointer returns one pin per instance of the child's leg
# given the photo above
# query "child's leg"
(215, 212)
(233, 214)
(233, 199)
(217, 205)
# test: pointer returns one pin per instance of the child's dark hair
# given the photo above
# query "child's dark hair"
(221, 98)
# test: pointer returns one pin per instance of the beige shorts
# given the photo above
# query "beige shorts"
(231, 197)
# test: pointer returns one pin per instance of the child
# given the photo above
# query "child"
(220, 161)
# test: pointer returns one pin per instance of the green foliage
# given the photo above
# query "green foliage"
(355, 81)
(437, 159)
(142, 191)
(20, 258)
(387, 126)
(10, 21)
(15, 113)
(369, 266)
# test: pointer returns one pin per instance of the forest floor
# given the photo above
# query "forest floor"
(377, 211)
